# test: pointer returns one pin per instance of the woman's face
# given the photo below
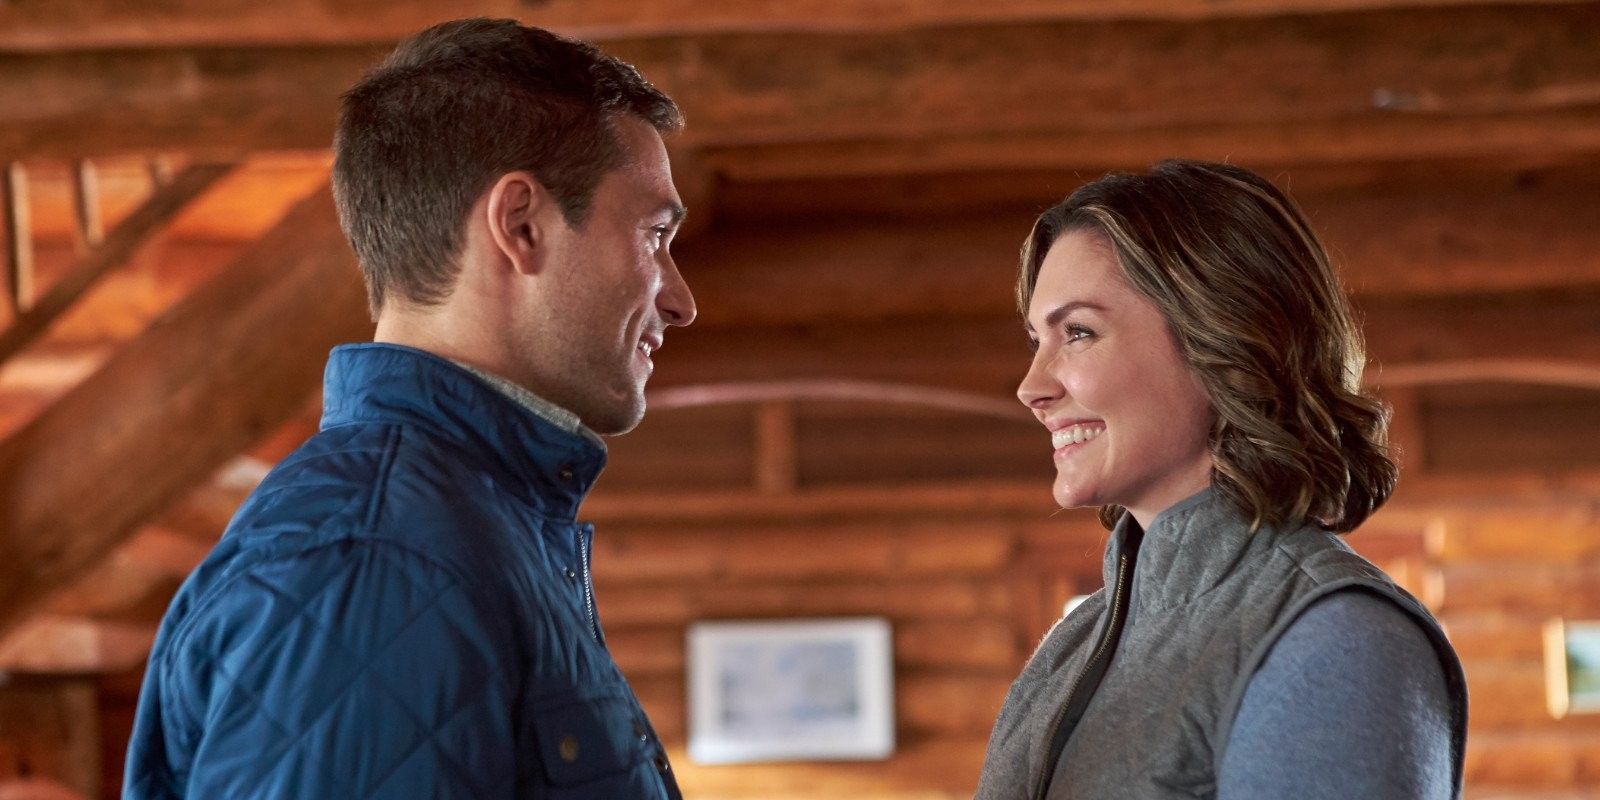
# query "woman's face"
(1129, 422)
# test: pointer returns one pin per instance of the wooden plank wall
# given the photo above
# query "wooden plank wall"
(1501, 575)
(970, 588)
(969, 596)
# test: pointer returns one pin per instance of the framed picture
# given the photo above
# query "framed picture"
(1572, 667)
(790, 691)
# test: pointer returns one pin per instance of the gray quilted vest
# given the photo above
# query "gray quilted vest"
(1207, 599)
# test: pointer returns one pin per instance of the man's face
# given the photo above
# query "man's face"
(615, 289)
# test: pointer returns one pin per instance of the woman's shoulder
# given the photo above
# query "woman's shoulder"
(1361, 629)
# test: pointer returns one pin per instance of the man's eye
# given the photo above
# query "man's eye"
(1033, 345)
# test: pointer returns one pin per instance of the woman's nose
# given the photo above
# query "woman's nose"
(1039, 389)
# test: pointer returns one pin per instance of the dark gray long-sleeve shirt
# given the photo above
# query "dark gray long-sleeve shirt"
(1350, 702)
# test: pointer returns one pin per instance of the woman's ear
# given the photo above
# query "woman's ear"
(514, 211)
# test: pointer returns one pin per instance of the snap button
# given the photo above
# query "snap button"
(572, 575)
(569, 749)
(566, 473)
(640, 731)
(661, 763)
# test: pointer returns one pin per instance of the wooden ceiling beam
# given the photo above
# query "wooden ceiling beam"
(53, 645)
(1288, 78)
(85, 24)
(1443, 239)
(129, 235)
(1360, 138)
(222, 368)
(1416, 495)
(988, 354)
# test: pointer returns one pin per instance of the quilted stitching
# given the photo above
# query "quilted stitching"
(364, 631)
(309, 632)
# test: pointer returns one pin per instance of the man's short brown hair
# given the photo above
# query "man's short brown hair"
(451, 110)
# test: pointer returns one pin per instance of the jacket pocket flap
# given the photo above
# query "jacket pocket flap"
(585, 740)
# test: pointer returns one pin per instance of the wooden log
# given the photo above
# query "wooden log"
(1029, 501)
(663, 699)
(883, 551)
(49, 730)
(777, 467)
(221, 369)
(977, 645)
(1294, 76)
(1510, 696)
(966, 599)
(1532, 589)
(892, 444)
(1558, 135)
(1555, 431)
(1496, 636)
(970, 352)
(1555, 538)
(648, 652)
(1534, 760)
(52, 645)
(1377, 541)
(981, 645)
(108, 24)
(128, 236)
(921, 767)
(19, 264)
(89, 227)
(135, 582)
(950, 704)
(1481, 232)
(929, 703)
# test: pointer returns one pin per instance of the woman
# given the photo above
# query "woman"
(1199, 369)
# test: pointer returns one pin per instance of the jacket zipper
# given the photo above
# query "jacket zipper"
(1113, 628)
(588, 583)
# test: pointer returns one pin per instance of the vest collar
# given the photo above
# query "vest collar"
(1189, 549)
(550, 465)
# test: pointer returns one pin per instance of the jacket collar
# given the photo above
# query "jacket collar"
(549, 464)
(1189, 549)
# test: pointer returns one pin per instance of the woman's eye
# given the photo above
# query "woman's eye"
(1077, 332)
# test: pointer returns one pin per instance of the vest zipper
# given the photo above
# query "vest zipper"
(1108, 640)
(588, 583)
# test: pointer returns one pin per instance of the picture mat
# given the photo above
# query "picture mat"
(762, 691)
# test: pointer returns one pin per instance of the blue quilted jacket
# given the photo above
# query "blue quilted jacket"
(403, 609)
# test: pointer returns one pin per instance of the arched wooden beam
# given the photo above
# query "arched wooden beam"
(1537, 372)
(715, 394)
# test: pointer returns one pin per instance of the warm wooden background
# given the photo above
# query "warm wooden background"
(860, 174)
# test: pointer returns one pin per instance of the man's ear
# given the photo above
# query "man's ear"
(518, 206)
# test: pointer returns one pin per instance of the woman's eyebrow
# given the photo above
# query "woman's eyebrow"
(1060, 312)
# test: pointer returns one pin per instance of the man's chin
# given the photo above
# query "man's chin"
(618, 418)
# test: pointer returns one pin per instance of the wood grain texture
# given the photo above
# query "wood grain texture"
(1288, 76)
(219, 370)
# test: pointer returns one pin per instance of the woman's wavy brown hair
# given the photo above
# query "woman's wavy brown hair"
(1260, 317)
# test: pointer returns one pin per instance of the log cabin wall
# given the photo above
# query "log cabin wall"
(972, 569)
(860, 177)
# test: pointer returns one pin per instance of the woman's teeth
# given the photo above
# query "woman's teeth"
(1074, 435)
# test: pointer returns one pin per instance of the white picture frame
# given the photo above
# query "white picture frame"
(1572, 667)
(790, 690)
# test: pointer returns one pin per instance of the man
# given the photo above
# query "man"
(403, 608)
